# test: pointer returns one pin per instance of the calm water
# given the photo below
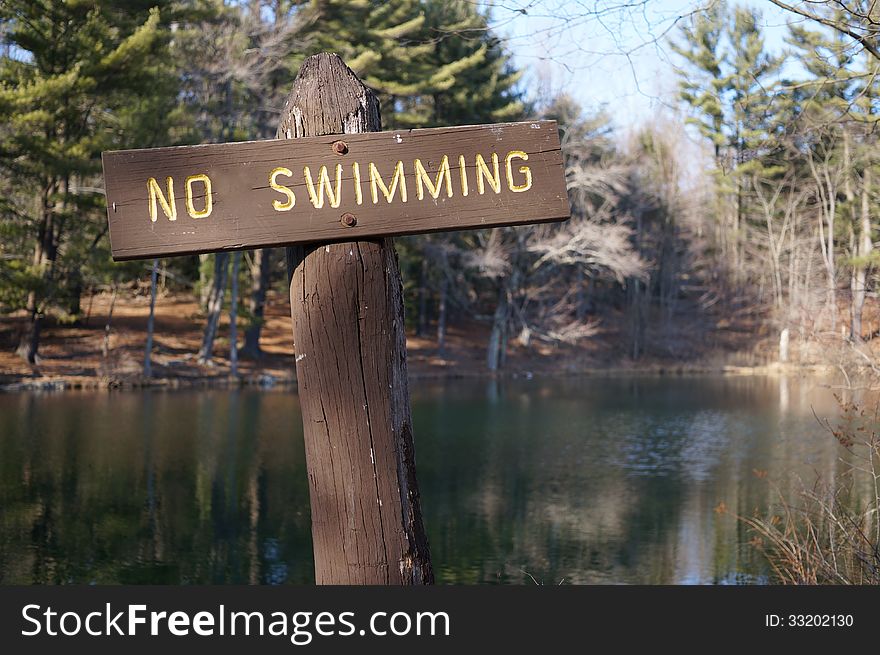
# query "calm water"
(586, 480)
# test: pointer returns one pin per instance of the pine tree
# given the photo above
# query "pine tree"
(483, 90)
(837, 115)
(433, 62)
(728, 82)
(750, 88)
(862, 205)
(484, 86)
(76, 78)
(381, 42)
(237, 63)
(703, 81)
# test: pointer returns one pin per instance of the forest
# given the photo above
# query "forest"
(733, 227)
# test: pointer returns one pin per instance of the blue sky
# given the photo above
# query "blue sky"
(604, 56)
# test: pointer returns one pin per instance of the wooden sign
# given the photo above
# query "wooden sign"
(194, 199)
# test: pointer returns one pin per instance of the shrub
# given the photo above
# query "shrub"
(831, 533)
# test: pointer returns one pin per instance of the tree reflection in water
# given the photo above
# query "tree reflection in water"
(590, 480)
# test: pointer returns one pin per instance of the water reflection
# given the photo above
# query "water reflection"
(153, 487)
(587, 480)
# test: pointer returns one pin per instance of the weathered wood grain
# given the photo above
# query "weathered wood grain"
(347, 309)
(242, 211)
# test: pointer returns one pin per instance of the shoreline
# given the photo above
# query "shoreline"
(267, 381)
(100, 354)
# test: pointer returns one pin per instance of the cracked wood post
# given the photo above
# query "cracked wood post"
(347, 308)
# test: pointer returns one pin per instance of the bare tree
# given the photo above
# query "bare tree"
(148, 348)
(828, 174)
(856, 19)
(535, 272)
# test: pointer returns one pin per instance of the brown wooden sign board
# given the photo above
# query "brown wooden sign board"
(194, 199)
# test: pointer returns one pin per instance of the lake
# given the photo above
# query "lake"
(576, 480)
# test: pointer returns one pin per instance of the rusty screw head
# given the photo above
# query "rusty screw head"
(348, 219)
(340, 147)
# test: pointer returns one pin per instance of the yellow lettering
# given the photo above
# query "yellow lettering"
(422, 179)
(209, 203)
(288, 204)
(358, 194)
(376, 182)
(168, 205)
(317, 198)
(483, 173)
(525, 170)
(462, 171)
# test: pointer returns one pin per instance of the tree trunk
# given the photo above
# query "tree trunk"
(497, 340)
(215, 306)
(205, 284)
(502, 348)
(784, 340)
(74, 302)
(233, 317)
(422, 323)
(148, 350)
(865, 246)
(346, 302)
(105, 347)
(583, 294)
(441, 316)
(636, 292)
(29, 345)
(830, 266)
(260, 274)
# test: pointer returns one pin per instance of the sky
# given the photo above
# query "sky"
(610, 54)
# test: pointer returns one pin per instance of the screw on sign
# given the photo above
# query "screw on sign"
(336, 204)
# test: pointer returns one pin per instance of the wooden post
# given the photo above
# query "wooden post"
(346, 298)
(347, 309)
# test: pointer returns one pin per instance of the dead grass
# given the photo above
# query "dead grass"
(831, 534)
